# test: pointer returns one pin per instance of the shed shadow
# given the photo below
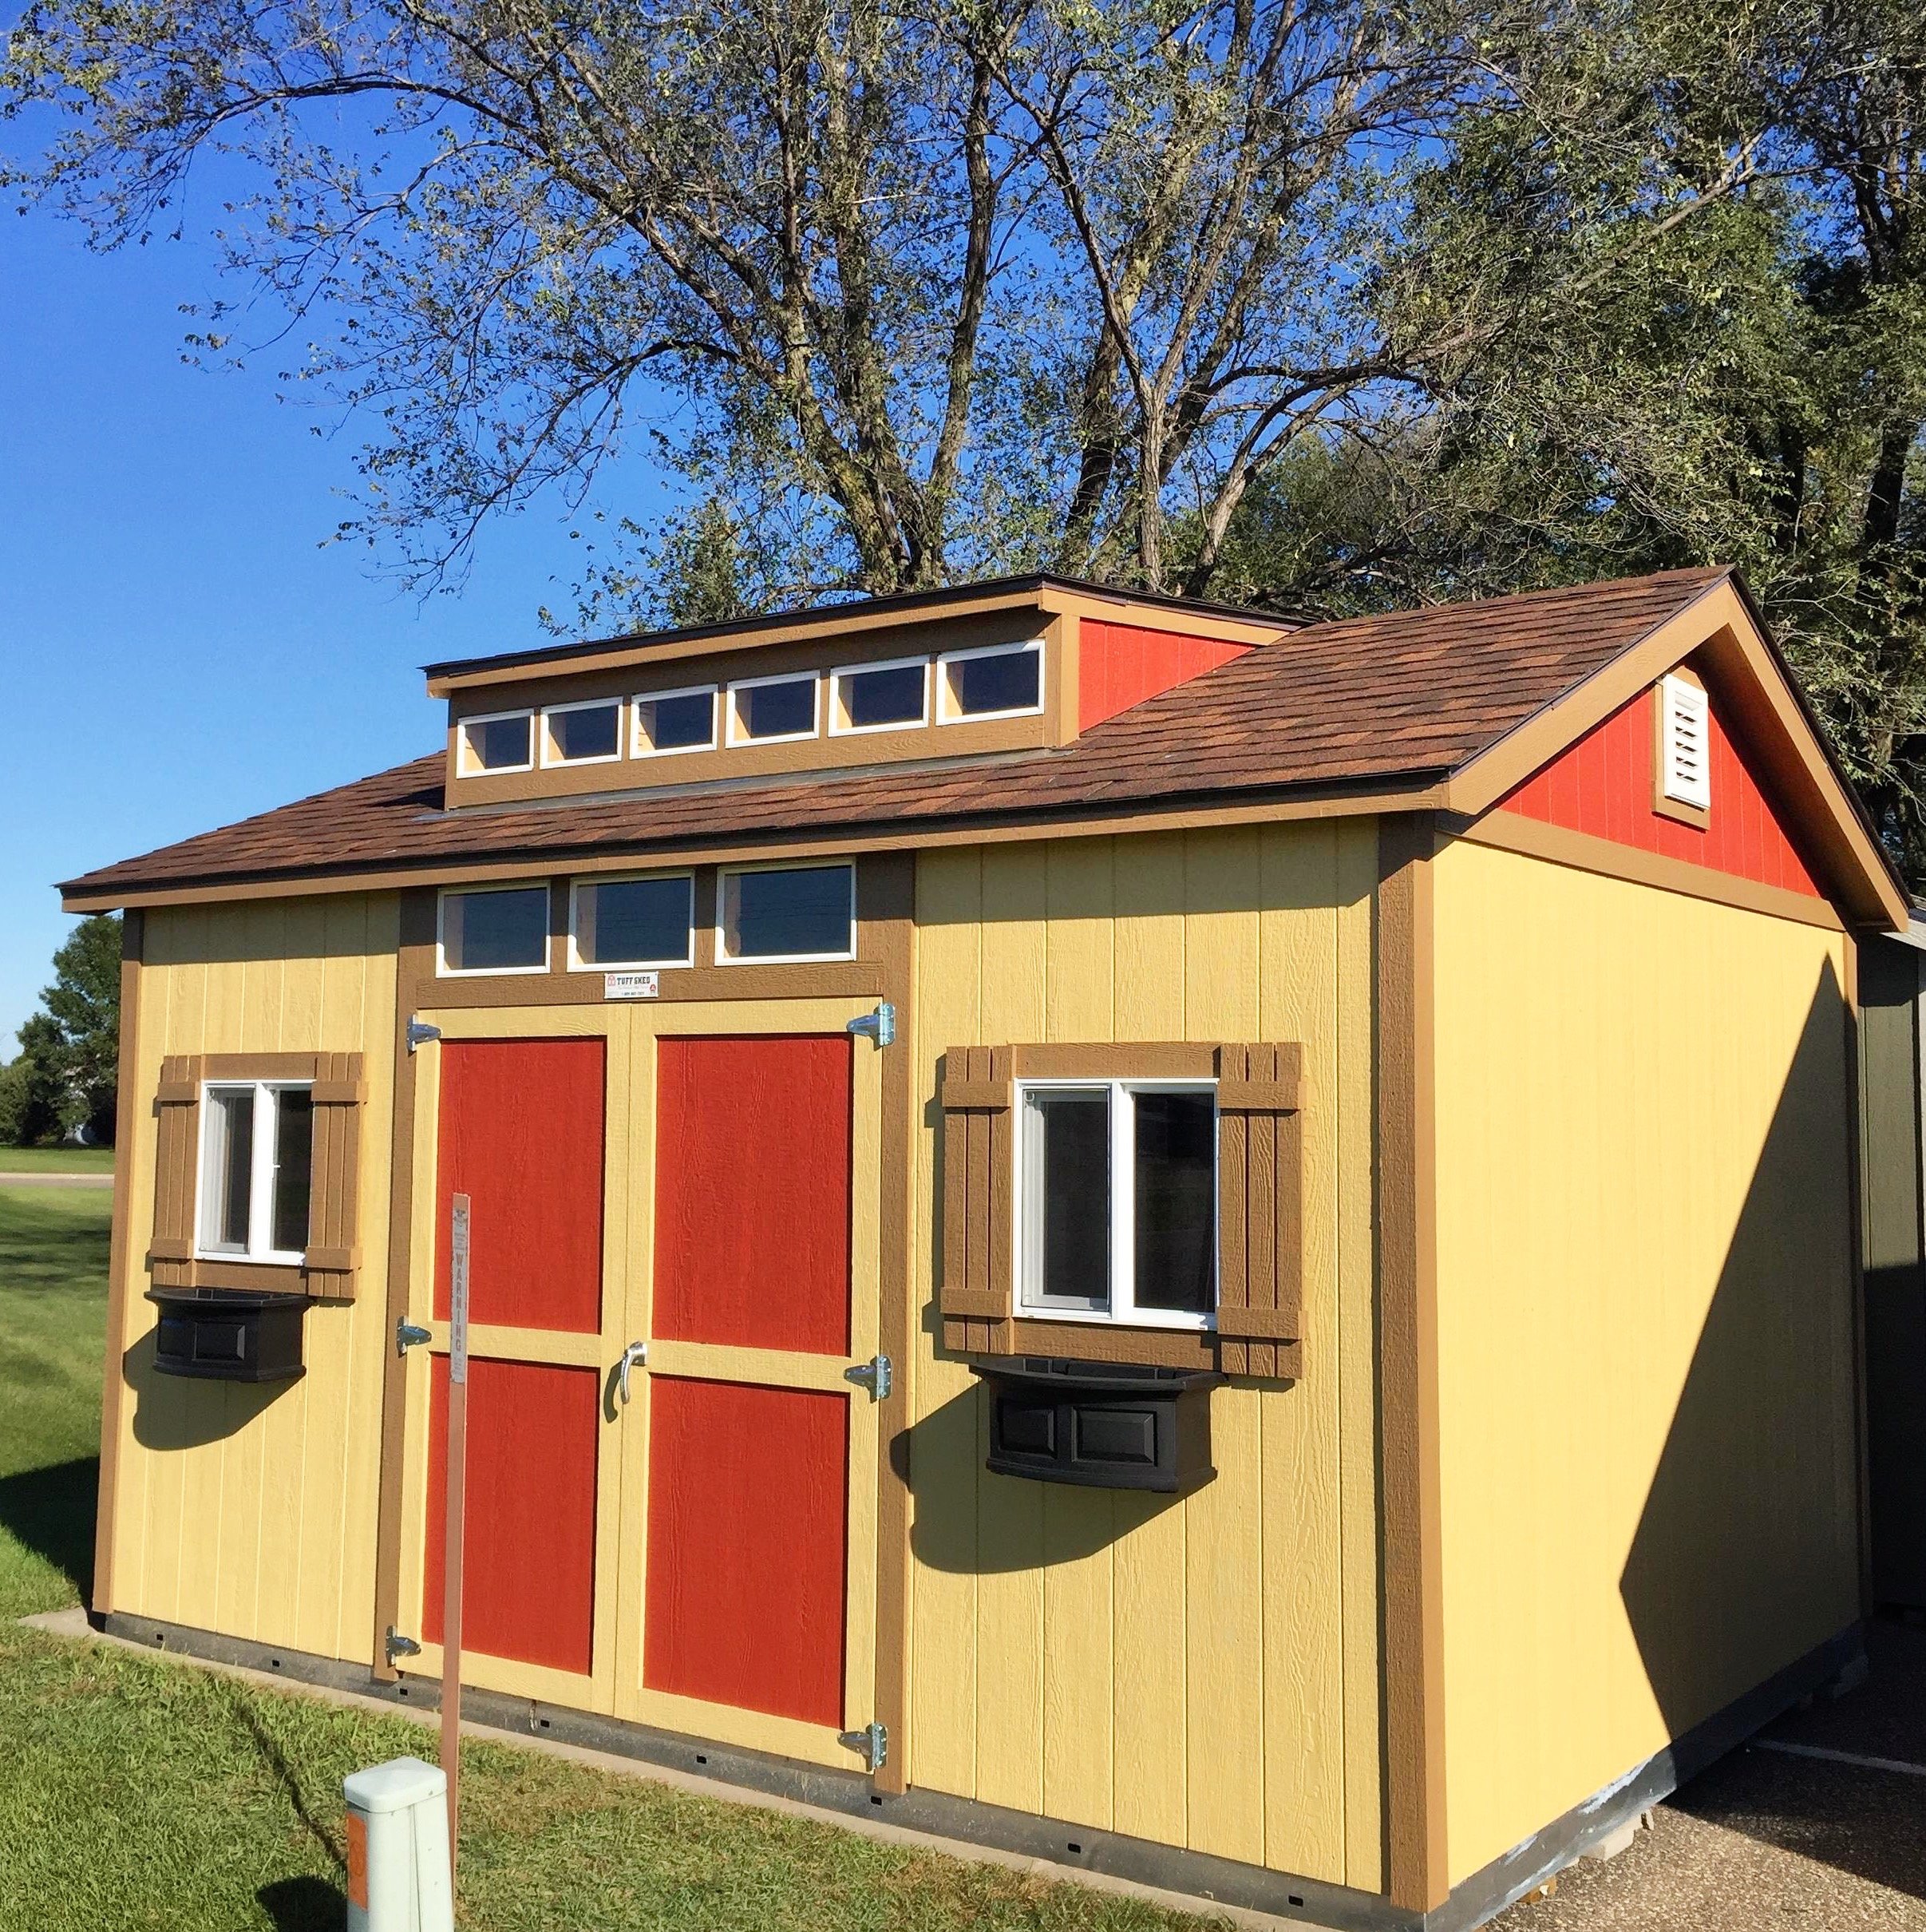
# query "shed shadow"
(186, 1411)
(51, 1512)
(1083, 1519)
(1745, 1555)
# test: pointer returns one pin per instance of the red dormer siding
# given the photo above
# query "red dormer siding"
(1603, 785)
(1122, 664)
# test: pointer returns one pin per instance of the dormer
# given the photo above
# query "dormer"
(998, 669)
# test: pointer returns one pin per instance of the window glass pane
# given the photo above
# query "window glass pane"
(293, 1166)
(228, 1155)
(1066, 1197)
(495, 743)
(894, 696)
(773, 914)
(590, 734)
(684, 723)
(1176, 1194)
(777, 711)
(1009, 681)
(633, 922)
(489, 931)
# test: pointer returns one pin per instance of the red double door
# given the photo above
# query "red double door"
(670, 1499)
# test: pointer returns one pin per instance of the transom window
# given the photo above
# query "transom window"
(791, 912)
(500, 930)
(770, 710)
(257, 1150)
(671, 721)
(887, 697)
(1117, 1201)
(632, 922)
(501, 741)
(589, 734)
(997, 681)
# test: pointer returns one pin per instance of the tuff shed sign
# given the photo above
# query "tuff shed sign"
(629, 986)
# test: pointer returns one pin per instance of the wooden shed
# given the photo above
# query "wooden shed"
(1215, 1250)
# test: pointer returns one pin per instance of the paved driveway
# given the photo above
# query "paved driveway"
(1796, 1830)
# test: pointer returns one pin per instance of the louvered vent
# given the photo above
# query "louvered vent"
(1685, 744)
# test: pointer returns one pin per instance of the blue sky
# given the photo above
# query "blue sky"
(177, 649)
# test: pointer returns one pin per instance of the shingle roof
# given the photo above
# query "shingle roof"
(1371, 703)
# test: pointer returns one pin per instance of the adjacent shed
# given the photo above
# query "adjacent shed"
(1221, 1250)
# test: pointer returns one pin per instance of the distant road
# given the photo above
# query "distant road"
(43, 1179)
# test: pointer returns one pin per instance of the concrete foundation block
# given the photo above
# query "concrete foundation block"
(1850, 1679)
(1615, 1841)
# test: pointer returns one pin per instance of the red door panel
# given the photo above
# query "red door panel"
(528, 1569)
(752, 1192)
(521, 1135)
(748, 1546)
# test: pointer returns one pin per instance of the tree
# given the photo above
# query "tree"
(910, 289)
(32, 1092)
(66, 1071)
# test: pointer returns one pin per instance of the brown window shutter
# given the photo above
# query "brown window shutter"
(974, 1299)
(1259, 1217)
(334, 1255)
(177, 1153)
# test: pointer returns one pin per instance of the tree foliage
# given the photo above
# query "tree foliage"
(1330, 303)
(64, 1075)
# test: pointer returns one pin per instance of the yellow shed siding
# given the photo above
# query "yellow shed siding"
(1202, 1673)
(250, 1510)
(1647, 1432)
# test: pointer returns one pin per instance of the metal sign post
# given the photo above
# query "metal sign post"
(457, 1484)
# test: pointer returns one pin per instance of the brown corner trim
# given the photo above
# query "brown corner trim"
(119, 1261)
(1507, 831)
(414, 957)
(886, 914)
(1407, 1350)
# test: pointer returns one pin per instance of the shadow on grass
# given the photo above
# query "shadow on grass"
(50, 1512)
(304, 1905)
(53, 1245)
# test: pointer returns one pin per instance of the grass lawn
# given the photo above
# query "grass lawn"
(56, 1160)
(137, 1793)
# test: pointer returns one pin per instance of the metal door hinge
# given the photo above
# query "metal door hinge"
(419, 1033)
(407, 1335)
(879, 1025)
(875, 1375)
(396, 1645)
(872, 1741)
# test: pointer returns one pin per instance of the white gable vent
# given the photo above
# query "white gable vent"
(1685, 749)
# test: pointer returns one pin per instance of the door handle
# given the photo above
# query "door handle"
(635, 1352)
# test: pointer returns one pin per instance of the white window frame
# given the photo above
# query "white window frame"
(444, 971)
(838, 729)
(724, 874)
(639, 746)
(577, 963)
(263, 1160)
(467, 766)
(947, 714)
(1123, 1311)
(739, 739)
(551, 757)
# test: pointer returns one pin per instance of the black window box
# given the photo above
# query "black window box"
(1105, 1425)
(229, 1334)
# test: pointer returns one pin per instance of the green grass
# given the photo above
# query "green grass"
(136, 1792)
(56, 1160)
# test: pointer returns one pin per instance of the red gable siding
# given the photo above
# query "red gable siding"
(1122, 664)
(1603, 786)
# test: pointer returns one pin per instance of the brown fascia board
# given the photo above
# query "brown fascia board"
(1724, 620)
(1047, 593)
(1421, 790)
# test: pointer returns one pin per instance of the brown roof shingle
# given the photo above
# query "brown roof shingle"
(1371, 702)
